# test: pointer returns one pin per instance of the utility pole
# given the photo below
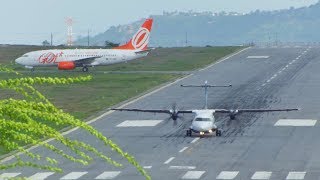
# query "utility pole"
(88, 37)
(51, 39)
(186, 39)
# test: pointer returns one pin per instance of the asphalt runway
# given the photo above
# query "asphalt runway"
(254, 146)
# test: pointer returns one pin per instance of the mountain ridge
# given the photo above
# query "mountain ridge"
(172, 29)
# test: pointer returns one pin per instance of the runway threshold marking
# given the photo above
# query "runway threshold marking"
(139, 123)
(8, 175)
(227, 175)
(183, 149)
(40, 176)
(169, 160)
(108, 175)
(74, 175)
(182, 167)
(193, 175)
(296, 175)
(261, 175)
(296, 122)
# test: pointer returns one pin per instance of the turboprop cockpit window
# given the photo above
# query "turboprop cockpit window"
(202, 119)
(25, 55)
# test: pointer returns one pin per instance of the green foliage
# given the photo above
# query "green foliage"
(20, 126)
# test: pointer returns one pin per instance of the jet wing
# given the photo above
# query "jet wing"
(164, 111)
(85, 61)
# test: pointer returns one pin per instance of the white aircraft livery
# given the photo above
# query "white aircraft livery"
(69, 59)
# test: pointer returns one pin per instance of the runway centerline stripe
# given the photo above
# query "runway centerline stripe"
(8, 175)
(108, 175)
(258, 57)
(74, 175)
(139, 123)
(40, 176)
(169, 160)
(296, 122)
(296, 175)
(147, 167)
(193, 175)
(183, 149)
(261, 175)
(228, 174)
(194, 140)
(182, 167)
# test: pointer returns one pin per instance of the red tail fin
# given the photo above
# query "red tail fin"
(141, 39)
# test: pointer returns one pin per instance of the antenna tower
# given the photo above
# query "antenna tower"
(69, 23)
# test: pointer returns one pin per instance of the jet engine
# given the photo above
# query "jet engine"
(66, 65)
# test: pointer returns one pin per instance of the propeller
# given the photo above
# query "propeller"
(233, 113)
(174, 114)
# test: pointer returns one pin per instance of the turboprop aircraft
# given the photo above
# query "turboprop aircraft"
(68, 59)
(204, 120)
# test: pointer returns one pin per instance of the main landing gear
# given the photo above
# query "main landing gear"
(189, 132)
(218, 132)
(85, 69)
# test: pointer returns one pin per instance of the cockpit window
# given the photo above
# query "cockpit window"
(202, 119)
(25, 55)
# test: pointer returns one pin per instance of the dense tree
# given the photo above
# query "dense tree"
(32, 117)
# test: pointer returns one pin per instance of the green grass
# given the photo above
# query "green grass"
(88, 98)
(160, 59)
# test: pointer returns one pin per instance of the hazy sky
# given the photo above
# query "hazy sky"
(32, 21)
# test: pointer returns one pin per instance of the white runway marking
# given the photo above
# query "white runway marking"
(226, 58)
(74, 175)
(258, 57)
(139, 123)
(297, 58)
(295, 122)
(227, 174)
(183, 149)
(169, 160)
(261, 175)
(193, 175)
(182, 167)
(296, 175)
(147, 167)
(108, 175)
(40, 176)
(283, 69)
(194, 140)
(8, 175)
(287, 66)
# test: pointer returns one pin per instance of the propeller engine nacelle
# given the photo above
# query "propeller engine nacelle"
(233, 114)
(66, 65)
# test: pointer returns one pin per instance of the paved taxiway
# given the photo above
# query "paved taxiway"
(255, 146)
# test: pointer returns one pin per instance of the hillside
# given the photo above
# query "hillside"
(171, 29)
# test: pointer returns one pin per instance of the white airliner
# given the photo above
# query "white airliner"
(71, 58)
